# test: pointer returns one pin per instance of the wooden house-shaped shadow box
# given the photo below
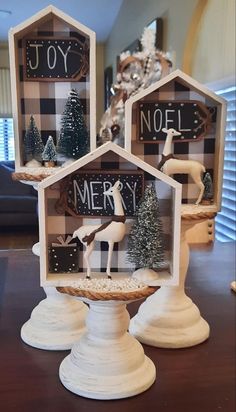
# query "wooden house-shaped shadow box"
(178, 101)
(50, 54)
(74, 197)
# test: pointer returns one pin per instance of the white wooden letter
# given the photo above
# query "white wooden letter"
(147, 121)
(179, 120)
(48, 57)
(167, 119)
(64, 56)
(160, 120)
(93, 194)
(36, 56)
(82, 196)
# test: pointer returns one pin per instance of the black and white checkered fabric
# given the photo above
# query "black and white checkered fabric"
(202, 150)
(65, 224)
(46, 100)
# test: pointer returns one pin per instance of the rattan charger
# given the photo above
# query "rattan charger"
(29, 177)
(108, 295)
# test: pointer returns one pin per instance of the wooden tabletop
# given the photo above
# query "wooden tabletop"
(198, 379)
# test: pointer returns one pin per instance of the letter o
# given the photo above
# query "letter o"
(54, 57)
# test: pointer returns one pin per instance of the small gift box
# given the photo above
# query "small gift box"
(63, 256)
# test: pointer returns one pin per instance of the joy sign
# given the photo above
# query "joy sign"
(55, 59)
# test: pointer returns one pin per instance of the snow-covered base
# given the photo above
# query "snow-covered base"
(145, 275)
(56, 323)
(33, 163)
(109, 285)
(38, 170)
(107, 363)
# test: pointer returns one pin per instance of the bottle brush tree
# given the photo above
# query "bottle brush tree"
(73, 141)
(49, 153)
(33, 144)
(145, 241)
(208, 191)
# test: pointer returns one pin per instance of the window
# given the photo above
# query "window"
(6, 139)
(6, 121)
(226, 220)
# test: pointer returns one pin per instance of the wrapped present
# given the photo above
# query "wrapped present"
(63, 256)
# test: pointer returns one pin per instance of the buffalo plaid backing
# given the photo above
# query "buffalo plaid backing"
(65, 224)
(46, 100)
(202, 150)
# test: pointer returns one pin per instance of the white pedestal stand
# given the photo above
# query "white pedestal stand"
(169, 318)
(57, 322)
(107, 362)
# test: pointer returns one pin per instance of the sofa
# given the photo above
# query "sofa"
(18, 201)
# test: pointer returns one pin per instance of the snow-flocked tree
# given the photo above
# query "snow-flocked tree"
(145, 241)
(49, 153)
(73, 141)
(33, 144)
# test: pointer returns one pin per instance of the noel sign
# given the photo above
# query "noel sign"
(85, 192)
(57, 59)
(191, 118)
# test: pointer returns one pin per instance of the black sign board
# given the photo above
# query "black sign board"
(85, 192)
(191, 118)
(54, 59)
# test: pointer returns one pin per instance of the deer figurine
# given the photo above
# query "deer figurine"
(170, 165)
(111, 231)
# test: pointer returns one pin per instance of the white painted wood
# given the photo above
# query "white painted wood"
(17, 33)
(220, 127)
(169, 318)
(63, 172)
(46, 279)
(56, 323)
(107, 362)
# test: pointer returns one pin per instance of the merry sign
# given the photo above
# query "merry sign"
(190, 118)
(55, 59)
(85, 192)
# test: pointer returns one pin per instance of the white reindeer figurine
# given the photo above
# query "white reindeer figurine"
(111, 231)
(170, 165)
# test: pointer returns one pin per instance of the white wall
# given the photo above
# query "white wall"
(4, 55)
(134, 15)
(214, 57)
(100, 51)
(214, 53)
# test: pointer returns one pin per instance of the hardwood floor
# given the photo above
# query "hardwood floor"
(18, 237)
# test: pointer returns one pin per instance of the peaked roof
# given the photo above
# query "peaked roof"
(42, 14)
(174, 75)
(109, 146)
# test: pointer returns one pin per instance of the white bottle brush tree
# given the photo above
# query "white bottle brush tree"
(145, 241)
(73, 141)
(33, 145)
(49, 155)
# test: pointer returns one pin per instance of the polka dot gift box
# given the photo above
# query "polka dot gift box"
(63, 256)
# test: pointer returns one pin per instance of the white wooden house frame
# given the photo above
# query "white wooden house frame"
(19, 32)
(197, 88)
(65, 279)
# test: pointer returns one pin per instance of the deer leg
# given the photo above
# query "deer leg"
(89, 249)
(110, 250)
(201, 187)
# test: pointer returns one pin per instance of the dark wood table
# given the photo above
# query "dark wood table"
(198, 379)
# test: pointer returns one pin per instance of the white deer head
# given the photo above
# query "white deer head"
(170, 134)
